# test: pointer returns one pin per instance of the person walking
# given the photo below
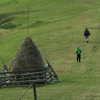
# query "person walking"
(86, 34)
(78, 52)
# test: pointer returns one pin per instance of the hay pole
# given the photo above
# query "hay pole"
(51, 67)
(5, 66)
(28, 20)
(25, 91)
(34, 90)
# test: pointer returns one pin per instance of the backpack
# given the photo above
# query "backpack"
(86, 33)
(78, 51)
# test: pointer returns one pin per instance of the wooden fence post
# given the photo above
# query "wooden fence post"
(0, 81)
(34, 90)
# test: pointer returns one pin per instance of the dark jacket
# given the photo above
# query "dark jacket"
(86, 33)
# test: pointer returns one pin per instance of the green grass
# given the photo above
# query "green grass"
(56, 26)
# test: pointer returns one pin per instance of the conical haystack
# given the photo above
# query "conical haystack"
(27, 57)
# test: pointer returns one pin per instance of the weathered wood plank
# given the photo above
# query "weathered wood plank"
(24, 74)
(27, 78)
(22, 71)
(23, 82)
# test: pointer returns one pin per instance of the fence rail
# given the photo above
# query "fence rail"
(42, 76)
(24, 82)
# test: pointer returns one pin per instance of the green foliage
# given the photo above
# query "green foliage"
(56, 26)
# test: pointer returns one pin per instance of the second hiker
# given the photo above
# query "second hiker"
(86, 34)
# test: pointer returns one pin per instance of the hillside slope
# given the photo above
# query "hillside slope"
(56, 26)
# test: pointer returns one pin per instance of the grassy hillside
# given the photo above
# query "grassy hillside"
(56, 26)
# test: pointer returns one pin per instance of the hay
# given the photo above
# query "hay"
(27, 57)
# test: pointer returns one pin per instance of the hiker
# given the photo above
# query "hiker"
(78, 51)
(86, 34)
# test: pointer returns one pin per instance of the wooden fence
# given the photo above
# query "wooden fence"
(38, 76)
(31, 77)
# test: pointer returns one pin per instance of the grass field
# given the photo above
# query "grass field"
(58, 27)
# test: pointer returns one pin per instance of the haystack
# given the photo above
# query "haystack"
(27, 57)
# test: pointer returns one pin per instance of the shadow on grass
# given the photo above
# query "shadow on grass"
(8, 2)
(7, 18)
(5, 21)
(40, 23)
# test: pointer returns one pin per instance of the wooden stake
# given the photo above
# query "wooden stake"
(34, 90)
